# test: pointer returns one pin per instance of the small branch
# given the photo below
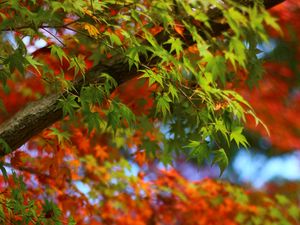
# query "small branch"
(56, 38)
(41, 27)
(188, 98)
(28, 170)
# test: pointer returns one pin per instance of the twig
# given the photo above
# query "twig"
(56, 38)
(188, 98)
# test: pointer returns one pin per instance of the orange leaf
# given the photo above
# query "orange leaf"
(140, 157)
(18, 159)
(101, 152)
(156, 29)
(179, 28)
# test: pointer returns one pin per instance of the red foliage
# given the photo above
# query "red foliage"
(168, 198)
(276, 100)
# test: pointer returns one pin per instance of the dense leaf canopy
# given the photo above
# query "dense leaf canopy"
(101, 99)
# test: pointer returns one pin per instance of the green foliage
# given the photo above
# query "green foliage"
(153, 77)
(163, 104)
(199, 151)
(69, 105)
(109, 83)
(26, 209)
(91, 95)
(61, 136)
(238, 137)
(57, 51)
(4, 146)
(3, 171)
(221, 159)
(71, 221)
(78, 64)
(118, 112)
(189, 52)
(175, 45)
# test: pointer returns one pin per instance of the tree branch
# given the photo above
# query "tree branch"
(42, 113)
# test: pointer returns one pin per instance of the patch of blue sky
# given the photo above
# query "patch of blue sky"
(257, 169)
(133, 170)
(266, 48)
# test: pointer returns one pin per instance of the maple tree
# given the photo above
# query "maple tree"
(123, 83)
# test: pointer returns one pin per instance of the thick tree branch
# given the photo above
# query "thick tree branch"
(40, 114)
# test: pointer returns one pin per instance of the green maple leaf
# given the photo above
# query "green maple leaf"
(163, 104)
(220, 158)
(199, 151)
(238, 137)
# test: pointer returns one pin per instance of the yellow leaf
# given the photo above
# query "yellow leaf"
(91, 29)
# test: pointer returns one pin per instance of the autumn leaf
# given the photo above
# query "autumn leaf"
(19, 159)
(111, 110)
(140, 157)
(101, 152)
(91, 29)
(179, 28)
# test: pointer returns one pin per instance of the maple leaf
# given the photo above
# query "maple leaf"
(101, 152)
(19, 159)
(91, 29)
(156, 29)
(140, 157)
(192, 65)
(179, 28)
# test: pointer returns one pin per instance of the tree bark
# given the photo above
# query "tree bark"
(42, 113)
